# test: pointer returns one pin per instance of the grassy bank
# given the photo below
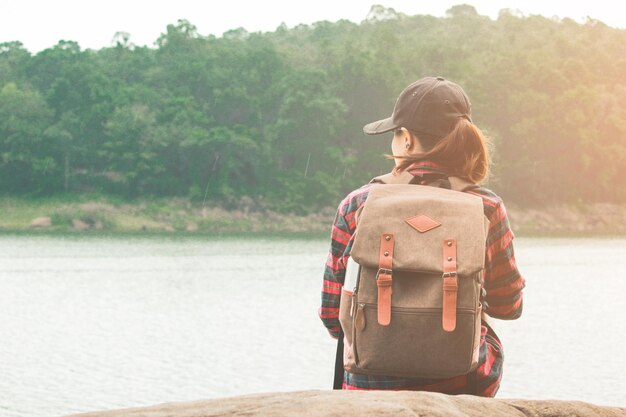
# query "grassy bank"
(600, 219)
(99, 214)
(105, 215)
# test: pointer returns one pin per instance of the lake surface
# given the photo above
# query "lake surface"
(92, 323)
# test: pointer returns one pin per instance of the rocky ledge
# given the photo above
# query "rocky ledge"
(365, 404)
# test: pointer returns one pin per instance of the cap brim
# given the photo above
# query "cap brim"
(381, 126)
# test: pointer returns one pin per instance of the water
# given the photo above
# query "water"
(93, 323)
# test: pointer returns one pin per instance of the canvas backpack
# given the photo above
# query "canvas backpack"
(415, 310)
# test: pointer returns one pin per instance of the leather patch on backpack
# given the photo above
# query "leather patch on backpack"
(422, 223)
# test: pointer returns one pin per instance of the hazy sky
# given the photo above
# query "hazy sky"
(41, 24)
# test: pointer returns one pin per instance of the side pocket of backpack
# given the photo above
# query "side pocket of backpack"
(346, 319)
(346, 313)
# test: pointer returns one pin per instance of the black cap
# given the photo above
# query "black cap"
(430, 107)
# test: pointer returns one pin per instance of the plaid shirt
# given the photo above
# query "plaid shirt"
(503, 286)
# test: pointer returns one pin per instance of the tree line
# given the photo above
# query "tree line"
(277, 116)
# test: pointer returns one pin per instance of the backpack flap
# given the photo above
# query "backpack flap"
(420, 218)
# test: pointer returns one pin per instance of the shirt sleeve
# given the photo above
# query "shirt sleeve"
(503, 282)
(334, 273)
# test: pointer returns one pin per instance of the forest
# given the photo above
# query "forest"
(277, 117)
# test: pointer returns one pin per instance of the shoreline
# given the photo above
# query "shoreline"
(101, 216)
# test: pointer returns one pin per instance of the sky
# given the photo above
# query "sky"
(40, 24)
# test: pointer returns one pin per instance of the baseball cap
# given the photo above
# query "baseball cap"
(429, 107)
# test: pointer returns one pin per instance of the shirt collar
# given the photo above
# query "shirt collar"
(428, 169)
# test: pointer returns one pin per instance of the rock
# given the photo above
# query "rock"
(366, 404)
(41, 222)
(78, 224)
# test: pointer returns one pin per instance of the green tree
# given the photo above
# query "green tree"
(278, 115)
(13, 62)
(130, 150)
(27, 159)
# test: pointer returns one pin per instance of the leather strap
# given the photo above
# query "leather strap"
(338, 378)
(384, 278)
(450, 285)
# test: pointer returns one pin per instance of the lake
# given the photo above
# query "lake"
(89, 323)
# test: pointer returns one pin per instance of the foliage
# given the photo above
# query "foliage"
(277, 116)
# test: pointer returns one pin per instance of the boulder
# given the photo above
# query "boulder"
(78, 224)
(366, 404)
(41, 222)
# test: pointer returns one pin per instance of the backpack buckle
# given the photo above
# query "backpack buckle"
(384, 271)
(384, 278)
(450, 285)
(384, 281)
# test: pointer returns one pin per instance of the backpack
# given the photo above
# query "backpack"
(415, 310)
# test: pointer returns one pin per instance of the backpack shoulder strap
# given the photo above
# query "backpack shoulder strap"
(403, 177)
(460, 184)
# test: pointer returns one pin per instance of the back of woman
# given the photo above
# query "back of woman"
(435, 140)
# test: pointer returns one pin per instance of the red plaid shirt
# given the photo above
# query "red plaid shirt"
(503, 286)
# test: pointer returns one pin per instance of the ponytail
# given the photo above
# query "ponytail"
(464, 152)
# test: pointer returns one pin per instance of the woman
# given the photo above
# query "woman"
(433, 139)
